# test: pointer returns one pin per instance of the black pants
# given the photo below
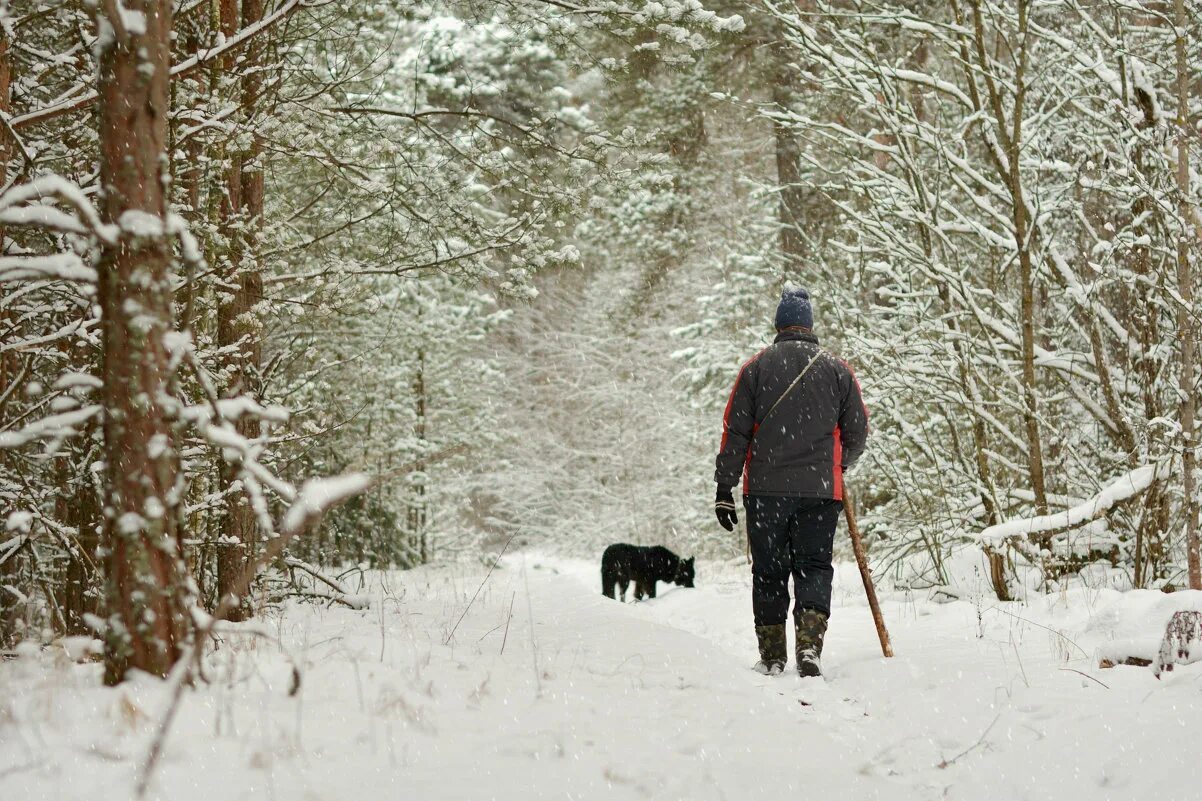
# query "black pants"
(790, 536)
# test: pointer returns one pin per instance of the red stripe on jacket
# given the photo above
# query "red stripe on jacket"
(731, 400)
(837, 464)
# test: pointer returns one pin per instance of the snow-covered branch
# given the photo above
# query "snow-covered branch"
(1120, 489)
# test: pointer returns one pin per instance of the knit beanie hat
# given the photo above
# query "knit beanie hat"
(794, 309)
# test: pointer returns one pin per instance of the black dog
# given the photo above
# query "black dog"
(621, 562)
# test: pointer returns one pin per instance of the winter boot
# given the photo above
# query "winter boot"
(810, 626)
(774, 649)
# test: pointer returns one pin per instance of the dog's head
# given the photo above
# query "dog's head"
(685, 573)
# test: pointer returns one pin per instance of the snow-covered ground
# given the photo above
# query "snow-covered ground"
(547, 690)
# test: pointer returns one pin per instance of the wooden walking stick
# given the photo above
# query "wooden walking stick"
(857, 545)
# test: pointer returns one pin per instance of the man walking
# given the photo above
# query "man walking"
(794, 422)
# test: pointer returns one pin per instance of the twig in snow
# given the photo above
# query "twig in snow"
(490, 631)
(1086, 675)
(948, 762)
(477, 592)
(1059, 634)
(1019, 657)
(180, 675)
(505, 637)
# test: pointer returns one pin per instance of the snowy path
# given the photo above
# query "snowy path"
(591, 699)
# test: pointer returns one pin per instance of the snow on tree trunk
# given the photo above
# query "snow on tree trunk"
(147, 583)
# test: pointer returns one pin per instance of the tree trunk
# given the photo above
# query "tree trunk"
(238, 328)
(1027, 277)
(1009, 132)
(788, 181)
(190, 173)
(1143, 316)
(791, 193)
(76, 507)
(147, 581)
(1185, 329)
(8, 358)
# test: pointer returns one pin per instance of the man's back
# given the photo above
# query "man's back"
(796, 445)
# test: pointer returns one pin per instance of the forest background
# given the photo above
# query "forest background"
(497, 264)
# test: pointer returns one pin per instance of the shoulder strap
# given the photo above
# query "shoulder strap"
(789, 388)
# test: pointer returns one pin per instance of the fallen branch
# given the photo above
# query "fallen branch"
(338, 593)
(349, 601)
(1130, 661)
(1120, 489)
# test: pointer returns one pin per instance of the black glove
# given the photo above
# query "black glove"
(724, 508)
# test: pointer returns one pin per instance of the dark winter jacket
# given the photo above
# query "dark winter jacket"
(816, 432)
